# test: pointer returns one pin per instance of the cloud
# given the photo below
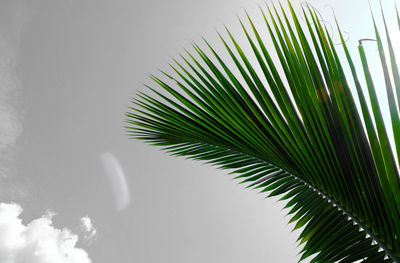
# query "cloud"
(90, 232)
(116, 177)
(12, 17)
(36, 242)
(14, 14)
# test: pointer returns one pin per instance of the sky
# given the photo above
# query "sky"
(68, 70)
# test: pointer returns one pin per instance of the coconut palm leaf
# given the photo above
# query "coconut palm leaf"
(290, 128)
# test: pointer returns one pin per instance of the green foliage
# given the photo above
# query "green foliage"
(293, 131)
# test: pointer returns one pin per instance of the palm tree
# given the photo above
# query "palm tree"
(293, 131)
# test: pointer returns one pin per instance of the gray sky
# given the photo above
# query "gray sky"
(79, 62)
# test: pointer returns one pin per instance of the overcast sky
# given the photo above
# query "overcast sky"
(72, 67)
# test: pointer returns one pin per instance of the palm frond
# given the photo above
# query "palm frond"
(293, 130)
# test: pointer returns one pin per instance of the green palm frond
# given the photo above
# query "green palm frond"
(291, 130)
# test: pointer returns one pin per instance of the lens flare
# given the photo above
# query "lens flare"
(117, 180)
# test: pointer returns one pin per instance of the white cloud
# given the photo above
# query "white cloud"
(87, 224)
(36, 242)
(87, 227)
